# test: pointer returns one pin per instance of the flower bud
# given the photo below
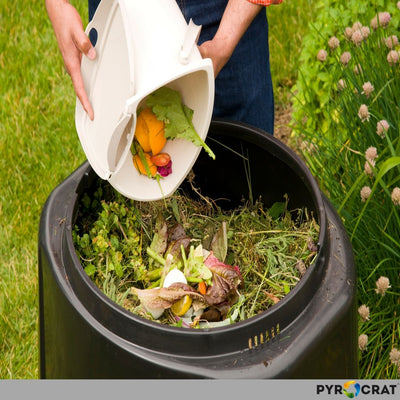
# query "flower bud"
(322, 55)
(395, 196)
(392, 57)
(382, 285)
(363, 113)
(367, 89)
(362, 342)
(382, 127)
(365, 193)
(333, 43)
(371, 153)
(345, 58)
(394, 356)
(363, 310)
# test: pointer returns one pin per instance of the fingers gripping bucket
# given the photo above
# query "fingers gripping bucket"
(141, 46)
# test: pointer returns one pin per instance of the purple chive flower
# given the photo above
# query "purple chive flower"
(382, 127)
(382, 284)
(365, 31)
(345, 58)
(365, 193)
(362, 342)
(369, 164)
(371, 153)
(396, 196)
(381, 19)
(356, 26)
(363, 113)
(393, 57)
(348, 32)
(391, 42)
(367, 88)
(357, 37)
(322, 55)
(333, 42)
(363, 310)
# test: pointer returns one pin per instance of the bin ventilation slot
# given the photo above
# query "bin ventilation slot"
(263, 337)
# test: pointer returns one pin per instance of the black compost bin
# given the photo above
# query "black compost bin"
(310, 333)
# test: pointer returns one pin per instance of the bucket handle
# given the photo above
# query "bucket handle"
(120, 142)
(191, 37)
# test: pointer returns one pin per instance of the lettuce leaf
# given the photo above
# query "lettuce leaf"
(225, 281)
(219, 243)
(167, 105)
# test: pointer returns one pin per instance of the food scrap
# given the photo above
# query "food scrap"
(181, 268)
(163, 118)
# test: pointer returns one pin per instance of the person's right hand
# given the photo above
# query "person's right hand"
(237, 17)
(73, 42)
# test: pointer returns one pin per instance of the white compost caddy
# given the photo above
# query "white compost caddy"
(141, 45)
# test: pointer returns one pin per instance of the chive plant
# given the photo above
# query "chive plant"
(355, 155)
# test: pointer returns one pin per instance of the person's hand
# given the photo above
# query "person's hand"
(73, 42)
(237, 17)
(217, 52)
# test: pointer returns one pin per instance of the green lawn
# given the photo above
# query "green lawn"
(288, 23)
(40, 148)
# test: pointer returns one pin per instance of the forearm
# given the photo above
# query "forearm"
(64, 19)
(237, 17)
(53, 8)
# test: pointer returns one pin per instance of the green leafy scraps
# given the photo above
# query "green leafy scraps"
(167, 105)
(120, 244)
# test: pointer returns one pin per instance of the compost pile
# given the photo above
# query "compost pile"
(189, 263)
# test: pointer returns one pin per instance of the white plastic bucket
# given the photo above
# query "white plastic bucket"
(141, 45)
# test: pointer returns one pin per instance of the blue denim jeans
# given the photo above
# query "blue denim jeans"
(243, 88)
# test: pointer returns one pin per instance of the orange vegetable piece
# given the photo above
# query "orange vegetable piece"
(150, 131)
(161, 159)
(202, 288)
(137, 162)
(142, 132)
(156, 130)
(157, 140)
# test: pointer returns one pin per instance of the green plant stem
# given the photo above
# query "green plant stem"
(155, 256)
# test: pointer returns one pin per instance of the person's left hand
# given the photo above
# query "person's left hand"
(237, 17)
(217, 53)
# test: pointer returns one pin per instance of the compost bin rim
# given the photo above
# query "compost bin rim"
(311, 272)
